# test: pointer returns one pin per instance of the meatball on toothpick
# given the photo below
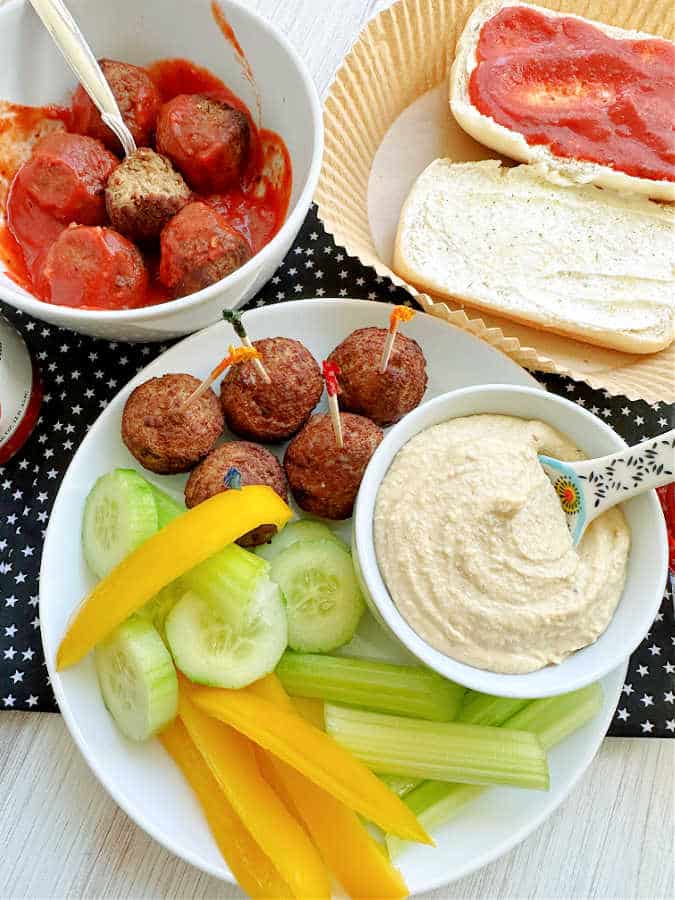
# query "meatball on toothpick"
(384, 396)
(324, 478)
(163, 440)
(271, 412)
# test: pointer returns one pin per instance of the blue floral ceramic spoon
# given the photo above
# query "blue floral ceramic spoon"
(587, 488)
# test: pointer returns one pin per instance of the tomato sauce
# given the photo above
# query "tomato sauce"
(567, 85)
(256, 207)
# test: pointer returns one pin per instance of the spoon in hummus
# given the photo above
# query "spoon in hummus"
(589, 487)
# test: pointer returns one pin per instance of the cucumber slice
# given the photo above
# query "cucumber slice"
(224, 642)
(119, 515)
(323, 600)
(137, 679)
(302, 530)
(167, 508)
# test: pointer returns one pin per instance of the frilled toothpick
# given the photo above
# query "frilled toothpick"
(235, 356)
(235, 320)
(398, 314)
(331, 371)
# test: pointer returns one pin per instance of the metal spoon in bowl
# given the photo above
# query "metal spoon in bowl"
(77, 53)
(589, 487)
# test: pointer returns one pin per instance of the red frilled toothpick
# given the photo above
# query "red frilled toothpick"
(235, 355)
(331, 371)
(398, 314)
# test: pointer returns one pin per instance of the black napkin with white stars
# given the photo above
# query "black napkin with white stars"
(81, 375)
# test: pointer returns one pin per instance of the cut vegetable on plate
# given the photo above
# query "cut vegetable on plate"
(182, 544)
(366, 684)
(312, 753)
(250, 866)
(347, 848)
(137, 678)
(552, 719)
(299, 530)
(229, 628)
(119, 515)
(323, 600)
(445, 751)
(231, 759)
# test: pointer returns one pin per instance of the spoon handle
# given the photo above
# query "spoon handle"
(609, 480)
(69, 39)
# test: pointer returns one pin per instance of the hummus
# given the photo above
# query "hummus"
(474, 548)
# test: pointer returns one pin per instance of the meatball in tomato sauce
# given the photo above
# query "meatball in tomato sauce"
(198, 248)
(143, 193)
(137, 98)
(66, 177)
(95, 268)
(207, 140)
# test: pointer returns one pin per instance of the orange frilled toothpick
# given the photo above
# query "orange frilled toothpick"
(398, 314)
(331, 371)
(235, 356)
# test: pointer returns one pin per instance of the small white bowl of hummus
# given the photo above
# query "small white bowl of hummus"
(464, 555)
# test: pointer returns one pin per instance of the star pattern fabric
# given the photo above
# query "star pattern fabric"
(81, 375)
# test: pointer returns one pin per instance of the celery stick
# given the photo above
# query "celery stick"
(484, 709)
(402, 690)
(552, 719)
(443, 751)
(401, 785)
(434, 803)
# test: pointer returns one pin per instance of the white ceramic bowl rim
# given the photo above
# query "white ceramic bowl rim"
(530, 684)
(293, 221)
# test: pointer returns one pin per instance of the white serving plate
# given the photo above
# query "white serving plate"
(141, 778)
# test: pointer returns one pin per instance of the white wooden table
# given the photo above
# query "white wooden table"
(62, 836)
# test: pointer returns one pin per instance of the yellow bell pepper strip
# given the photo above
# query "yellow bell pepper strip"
(231, 759)
(311, 710)
(312, 752)
(182, 544)
(250, 866)
(351, 854)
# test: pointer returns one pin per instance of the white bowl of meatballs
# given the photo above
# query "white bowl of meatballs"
(229, 133)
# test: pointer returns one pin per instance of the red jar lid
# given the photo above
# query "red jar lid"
(20, 392)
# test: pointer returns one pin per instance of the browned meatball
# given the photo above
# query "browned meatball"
(206, 139)
(383, 397)
(199, 248)
(324, 479)
(137, 98)
(143, 193)
(272, 412)
(255, 464)
(162, 439)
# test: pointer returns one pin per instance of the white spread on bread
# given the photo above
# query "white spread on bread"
(475, 551)
(580, 261)
(511, 143)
